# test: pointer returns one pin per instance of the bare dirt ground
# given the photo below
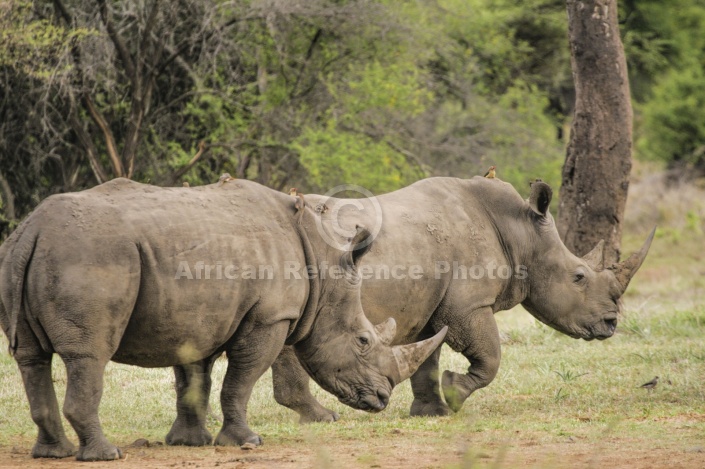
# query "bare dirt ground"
(401, 451)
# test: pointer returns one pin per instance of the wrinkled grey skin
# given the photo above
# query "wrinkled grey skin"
(92, 277)
(472, 222)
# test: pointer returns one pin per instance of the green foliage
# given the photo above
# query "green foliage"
(33, 46)
(673, 128)
(375, 92)
(351, 146)
(665, 47)
(333, 157)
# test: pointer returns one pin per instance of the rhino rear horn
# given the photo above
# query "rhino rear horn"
(596, 258)
(386, 331)
(409, 358)
(625, 270)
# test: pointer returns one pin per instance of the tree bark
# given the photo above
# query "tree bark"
(598, 160)
(8, 199)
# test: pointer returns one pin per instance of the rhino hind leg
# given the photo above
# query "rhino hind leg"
(35, 368)
(84, 389)
(249, 356)
(479, 342)
(427, 393)
(193, 387)
(291, 389)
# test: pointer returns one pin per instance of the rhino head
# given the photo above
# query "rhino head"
(578, 296)
(347, 355)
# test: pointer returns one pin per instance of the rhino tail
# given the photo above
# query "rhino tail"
(21, 255)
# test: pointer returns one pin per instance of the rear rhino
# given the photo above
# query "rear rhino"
(105, 274)
(444, 224)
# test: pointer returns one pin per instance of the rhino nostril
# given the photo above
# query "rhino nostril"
(383, 397)
(611, 324)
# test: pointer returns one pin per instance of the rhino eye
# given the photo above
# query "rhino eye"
(579, 277)
(363, 340)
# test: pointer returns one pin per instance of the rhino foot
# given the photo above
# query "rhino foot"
(238, 438)
(429, 409)
(188, 436)
(318, 414)
(62, 449)
(454, 389)
(100, 450)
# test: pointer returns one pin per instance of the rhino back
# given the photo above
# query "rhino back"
(110, 258)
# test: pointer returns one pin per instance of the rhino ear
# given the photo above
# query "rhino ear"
(359, 246)
(540, 198)
(596, 258)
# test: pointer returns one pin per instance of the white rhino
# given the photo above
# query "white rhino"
(129, 272)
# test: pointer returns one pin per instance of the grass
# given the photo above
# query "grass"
(552, 393)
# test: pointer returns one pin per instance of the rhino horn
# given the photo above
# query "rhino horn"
(409, 358)
(596, 258)
(386, 331)
(625, 270)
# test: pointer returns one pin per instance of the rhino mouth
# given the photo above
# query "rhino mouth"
(604, 329)
(369, 402)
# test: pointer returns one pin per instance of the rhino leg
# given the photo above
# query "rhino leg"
(84, 389)
(193, 388)
(478, 340)
(249, 356)
(427, 393)
(35, 368)
(291, 389)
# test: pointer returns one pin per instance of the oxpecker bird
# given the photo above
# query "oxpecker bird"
(651, 384)
(225, 177)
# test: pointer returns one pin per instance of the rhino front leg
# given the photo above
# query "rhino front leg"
(193, 388)
(35, 368)
(427, 393)
(291, 389)
(84, 388)
(477, 339)
(249, 356)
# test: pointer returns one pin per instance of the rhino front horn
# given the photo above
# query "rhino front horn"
(409, 358)
(625, 270)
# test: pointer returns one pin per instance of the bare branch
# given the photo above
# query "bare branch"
(89, 147)
(8, 198)
(118, 169)
(118, 42)
(202, 149)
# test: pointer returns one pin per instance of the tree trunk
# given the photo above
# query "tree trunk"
(598, 160)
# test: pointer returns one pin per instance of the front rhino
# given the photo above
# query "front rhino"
(106, 290)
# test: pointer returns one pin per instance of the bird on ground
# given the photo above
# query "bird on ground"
(650, 385)
(225, 177)
(490, 174)
(186, 184)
